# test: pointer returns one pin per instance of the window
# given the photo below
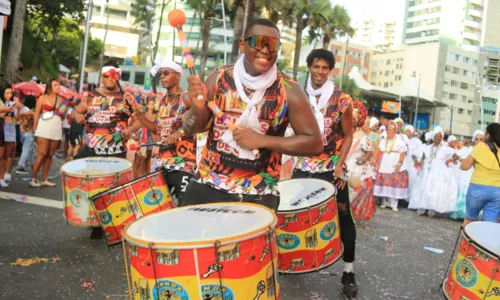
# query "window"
(125, 76)
(139, 78)
(392, 72)
(386, 84)
(391, 83)
(469, 112)
(386, 73)
(460, 111)
(381, 73)
(470, 101)
(374, 74)
(388, 62)
(453, 96)
(466, 60)
(457, 57)
(447, 68)
(451, 56)
(445, 95)
(116, 14)
(464, 99)
(474, 61)
(464, 86)
(464, 72)
(454, 83)
(375, 63)
(446, 82)
(455, 70)
(96, 10)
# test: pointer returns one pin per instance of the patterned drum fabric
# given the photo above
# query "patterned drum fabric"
(212, 251)
(308, 233)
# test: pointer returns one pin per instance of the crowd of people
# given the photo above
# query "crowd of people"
(260, 115)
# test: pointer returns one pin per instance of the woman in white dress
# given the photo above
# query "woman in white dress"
(391, 182)
(413, 144)
(440, 188)
(422, 164)
(464, 177)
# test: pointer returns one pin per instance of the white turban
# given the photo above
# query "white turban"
(476, 133)
(159, 63)
(410, 128)
(398, 120)
(428, 136)
(382, 129)
(373, 122)
(436, 131)
(451, 139)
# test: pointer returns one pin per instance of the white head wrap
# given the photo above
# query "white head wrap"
(428, 136)
(106, 69)
(476, 133)
(437, 130)
(410, 128)
(382, 129)
(160, 63)
(398, 120)
(451, 139)
(374, 122)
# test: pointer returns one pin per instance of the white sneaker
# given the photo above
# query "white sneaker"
(3, 183)
(7, 177)
(48, 183)
(395, 209)
(35, 183)
(383, 205)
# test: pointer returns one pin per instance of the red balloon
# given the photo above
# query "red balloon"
(176, 17)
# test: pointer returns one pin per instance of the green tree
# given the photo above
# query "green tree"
(16, 42)
(349, 87)
(237, 19)
(336, 24)
(164, 4)
(144, 14)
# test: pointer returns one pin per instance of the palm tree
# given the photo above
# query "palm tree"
(16, 42)
(143, 14)
(337, 24)
(348, 86)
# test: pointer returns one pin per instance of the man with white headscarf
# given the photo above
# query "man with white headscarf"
(177, 152)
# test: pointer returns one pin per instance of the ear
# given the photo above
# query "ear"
(242, 46)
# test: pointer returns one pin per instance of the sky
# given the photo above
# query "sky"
(383, 10)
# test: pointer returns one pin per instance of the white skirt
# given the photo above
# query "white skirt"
(50, 129)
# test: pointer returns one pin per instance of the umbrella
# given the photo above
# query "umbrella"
(66, 92)
(29, 88)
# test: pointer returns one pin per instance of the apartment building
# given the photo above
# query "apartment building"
(374, 34)
(357, 55)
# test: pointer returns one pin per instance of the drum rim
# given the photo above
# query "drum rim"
(96, 175)
(207, 243)
(278, 211)
(94, 198)
(474, 242)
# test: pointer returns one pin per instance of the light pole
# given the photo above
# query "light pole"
(419, 77)
(451, 119)
(85, 44)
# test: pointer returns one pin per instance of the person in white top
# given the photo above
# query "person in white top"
(421, 163)
(391, 181)
(413, 143)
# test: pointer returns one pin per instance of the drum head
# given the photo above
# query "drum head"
(299, 194)
(201, 226)
(485, 234)
(96, 166)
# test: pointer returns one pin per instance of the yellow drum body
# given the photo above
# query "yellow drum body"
(86, 177)
(308, 232)
(213, 251)
(476, 271)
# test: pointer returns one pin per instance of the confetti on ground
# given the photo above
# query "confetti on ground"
(388, 250)
(435, 250)
(23, 198)
(88, 285)
(387, 294)
(108, 297)
(26, 262)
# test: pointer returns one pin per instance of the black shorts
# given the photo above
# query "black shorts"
(66, 134)
(2, 134)
(75, 138)
(177, 181)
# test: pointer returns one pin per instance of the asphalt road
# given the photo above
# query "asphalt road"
(398, 268)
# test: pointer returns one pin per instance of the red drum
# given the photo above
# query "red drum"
(476, 271)
(223, 251)
(308, 232)
(86, 177)
(118, 207)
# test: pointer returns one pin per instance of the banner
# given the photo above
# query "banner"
(391, 107)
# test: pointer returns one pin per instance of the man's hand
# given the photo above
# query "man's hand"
(339, 177)
(360, 161)
(173, 138)
(248, 138)
(197, 91)
(126, 134)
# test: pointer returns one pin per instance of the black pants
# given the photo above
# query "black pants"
(177, 182)
(346, 221)
(199, 193)
(88, 152)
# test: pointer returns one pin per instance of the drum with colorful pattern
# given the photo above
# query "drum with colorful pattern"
(213, 251)
(308, 234)
(86, 177)
(120, 206)
(475, 274)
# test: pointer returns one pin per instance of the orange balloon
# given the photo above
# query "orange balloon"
(176, 17)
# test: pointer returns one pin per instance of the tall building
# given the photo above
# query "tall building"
(357, 55)
(376, 35)
(469, 24)
(490, 96)
(122, 36)
(447, 72)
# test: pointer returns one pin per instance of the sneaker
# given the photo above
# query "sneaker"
(35, 183)
(97, 233)
(3, 184)
(395, 209)
(48, 183)
(7, 177)
(21, 171)
(349, 283)
(383, 205)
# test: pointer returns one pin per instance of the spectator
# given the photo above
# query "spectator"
(27, 115)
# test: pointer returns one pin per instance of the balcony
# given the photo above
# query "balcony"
(473, 36)
(477, 2)
(472, 24)
(476, 13)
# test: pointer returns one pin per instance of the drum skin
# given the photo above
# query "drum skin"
(244, 268)
(475, 273)
(308, 239)
(118, 207)
(78, 188)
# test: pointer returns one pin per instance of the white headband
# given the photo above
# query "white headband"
(452, 138)
(410, 128)
(373, 122)
(159, 63)
(106, 69)
(476, 133)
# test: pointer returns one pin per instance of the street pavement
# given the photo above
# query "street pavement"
(398, 268)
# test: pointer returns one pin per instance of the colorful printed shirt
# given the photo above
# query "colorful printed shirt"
(219, 166)
(182, 155)
(105, 120)
(332, 137)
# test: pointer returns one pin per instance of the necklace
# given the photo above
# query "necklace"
(388, 151)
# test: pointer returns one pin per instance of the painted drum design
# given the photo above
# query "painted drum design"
(308, 234)
(475, 274)
(120, 206)
(86, 177)
(215, 251)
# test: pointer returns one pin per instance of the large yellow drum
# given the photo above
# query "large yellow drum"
(213, 251)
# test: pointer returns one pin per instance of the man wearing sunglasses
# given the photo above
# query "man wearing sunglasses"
(333, 111)
(244, 164)
(177, 155)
